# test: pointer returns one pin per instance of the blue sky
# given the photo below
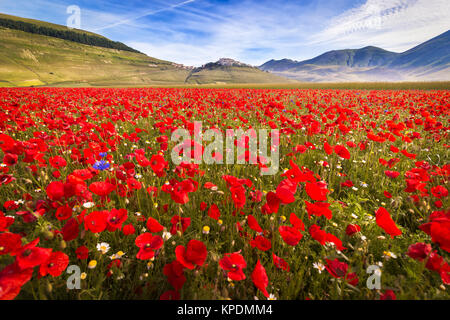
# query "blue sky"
(194, 32)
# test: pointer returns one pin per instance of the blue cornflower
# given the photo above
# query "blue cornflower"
(101, 165)
(103, 154)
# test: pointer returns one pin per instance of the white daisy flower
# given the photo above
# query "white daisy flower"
(103, 247)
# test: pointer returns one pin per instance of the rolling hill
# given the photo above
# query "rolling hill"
(37, 53)
(425, 62)
(228, 70)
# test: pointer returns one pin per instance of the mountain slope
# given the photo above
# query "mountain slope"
(29, 59)
(61, 33)
(427, 61)
(434, 53)
(365, 57)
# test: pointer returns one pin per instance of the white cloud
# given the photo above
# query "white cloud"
(252, 34)
(391, 24)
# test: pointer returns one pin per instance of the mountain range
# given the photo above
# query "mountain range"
(426, 62)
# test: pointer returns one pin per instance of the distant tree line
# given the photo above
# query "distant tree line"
(68, 34)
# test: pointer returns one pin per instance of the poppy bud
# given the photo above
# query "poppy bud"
(48, 235)
(49, 287)
(62, 245)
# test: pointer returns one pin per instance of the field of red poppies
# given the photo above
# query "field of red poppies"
(93, 207)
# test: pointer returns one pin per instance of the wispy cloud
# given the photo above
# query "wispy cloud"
(392, 24)
(144, 14)
(248, 31)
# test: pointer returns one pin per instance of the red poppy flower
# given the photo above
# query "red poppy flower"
(392, 174)
(384, 221)
(63, 213)
(347, 184)
(439, 230)
(214, 212)
(6, 179)
(419, 251)
(10, 205)
(55, 190)
(233, 263)
(9, 242)
(253, 223)
(128, 229)
(30, 256)
(318, 234)
(175, 274)
(158, 164)
(82, 253)
(5, 222)
(407, 154)
(296, 222)
(261, 243)
(352, 229)
(181, 190)
(339, 269)
(153, 191)
(101, 188)
(286, 190)
(154, 226)
(273, 202)
(388, 295)
(83, 174)
(12, 278)
(148, 244)
(394, 149)
(96, 221)
(115, 219)
(71, 230)
(179, 224)
(260, 279)
(238, 195)
(280, 263)
(318, 209)
(387, 194)
(342, 151)
(10, 159)
(290, 235)
(439, 192)
(328, 148)
(57, 162)
(333, 239)
(133, 184)
(55, 264)
(317, 190)
(193, 255)
(209, 185)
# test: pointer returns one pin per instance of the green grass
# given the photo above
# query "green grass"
(234, 75)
